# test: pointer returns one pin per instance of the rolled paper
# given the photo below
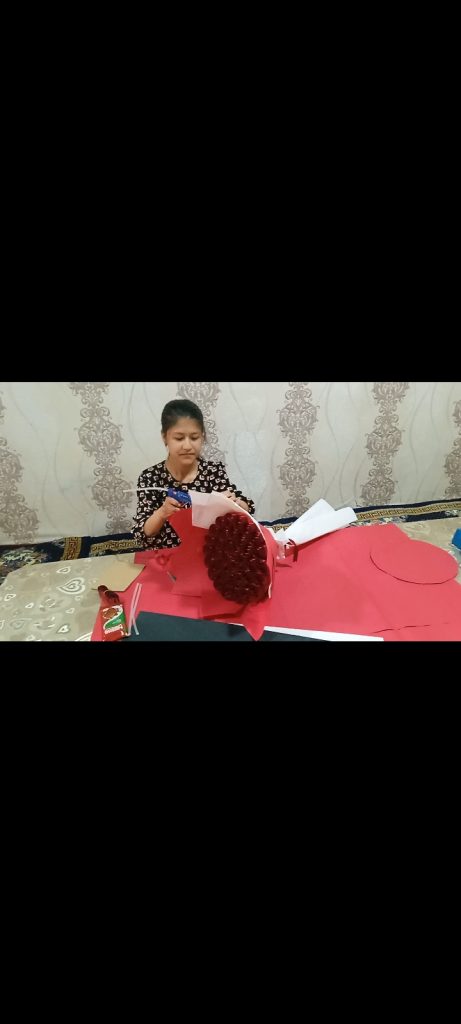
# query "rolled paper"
(316, 522)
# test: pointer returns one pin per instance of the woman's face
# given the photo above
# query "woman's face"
(185, 440)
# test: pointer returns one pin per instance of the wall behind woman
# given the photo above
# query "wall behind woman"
(70, 450)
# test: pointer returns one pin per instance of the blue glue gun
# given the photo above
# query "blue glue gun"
(184, 499)
(181, 496)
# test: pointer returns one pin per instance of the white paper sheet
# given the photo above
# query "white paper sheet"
(316, 635)
(316, 522)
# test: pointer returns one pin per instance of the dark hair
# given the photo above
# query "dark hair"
(178, 409)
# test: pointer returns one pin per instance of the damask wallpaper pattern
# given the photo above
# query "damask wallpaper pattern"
(297, 421)
(16, 518)
(453, 461)
(71, 452)
(384, 442)
(102, 440)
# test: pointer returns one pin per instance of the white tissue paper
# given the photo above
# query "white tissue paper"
(316, 522)
(207, 507)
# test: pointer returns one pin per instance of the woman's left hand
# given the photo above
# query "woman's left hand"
(237, 501)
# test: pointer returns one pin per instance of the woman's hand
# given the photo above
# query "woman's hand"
(169, 508)
(237, 501)
(155, 523)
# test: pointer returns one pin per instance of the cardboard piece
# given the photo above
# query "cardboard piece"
(116, 575)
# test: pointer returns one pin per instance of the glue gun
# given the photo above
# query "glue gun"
(184, 499)
(181, 496)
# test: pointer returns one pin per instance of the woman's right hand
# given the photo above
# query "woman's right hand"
(169, 508)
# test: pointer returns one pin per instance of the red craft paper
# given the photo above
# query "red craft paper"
(158, 560)
(413, 561)
(186, 563)
(447, 631)
(334, 586)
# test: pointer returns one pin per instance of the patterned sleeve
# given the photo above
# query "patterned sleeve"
(148, 502)
(223, 484)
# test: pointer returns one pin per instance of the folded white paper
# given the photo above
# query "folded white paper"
(316, 635)
(316, 522)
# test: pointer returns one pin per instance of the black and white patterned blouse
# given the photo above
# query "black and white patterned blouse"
(211, 476)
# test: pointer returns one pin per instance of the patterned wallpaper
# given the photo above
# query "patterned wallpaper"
(69, 451)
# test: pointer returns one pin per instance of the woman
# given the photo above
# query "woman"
(183, 432)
